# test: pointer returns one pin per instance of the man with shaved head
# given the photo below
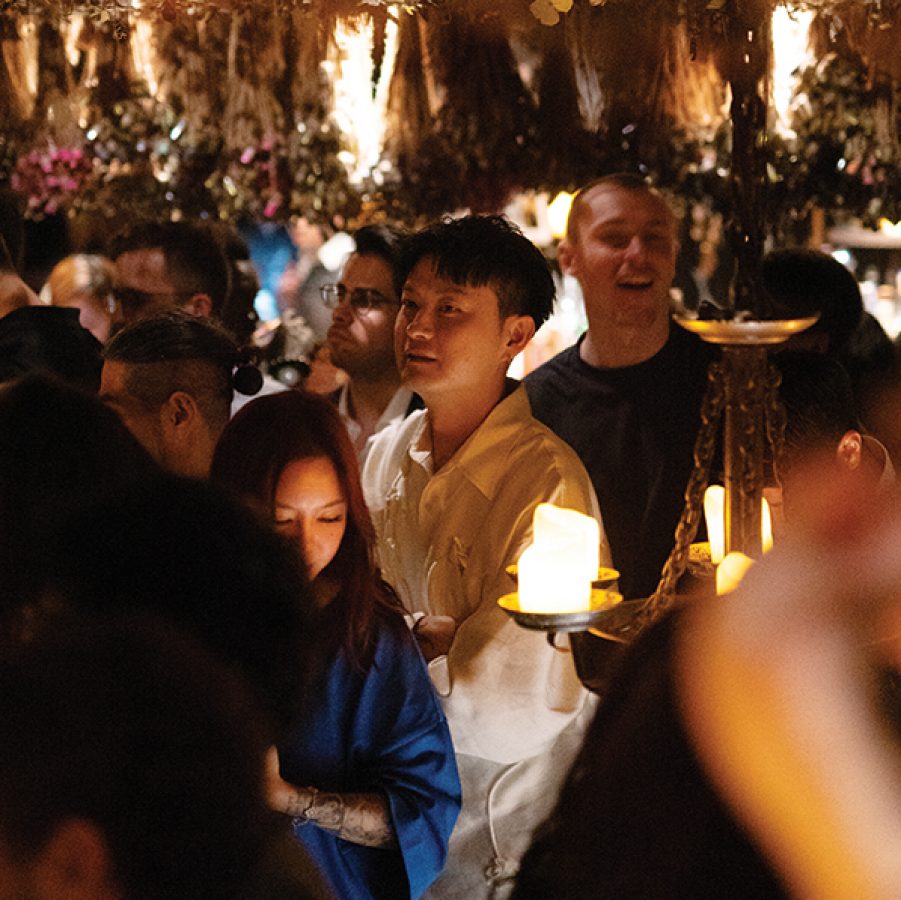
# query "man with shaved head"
(627, 395)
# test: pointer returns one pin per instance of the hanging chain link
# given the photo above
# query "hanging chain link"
(774, 412)
(705, 445)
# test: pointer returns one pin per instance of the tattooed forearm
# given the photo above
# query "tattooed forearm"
(361, 818)
(297, 801)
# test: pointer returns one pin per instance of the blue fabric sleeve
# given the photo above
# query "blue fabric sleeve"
(415, 766)
(382, 730)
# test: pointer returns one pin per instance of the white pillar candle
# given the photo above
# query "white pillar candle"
(715, 517)
(556, 570)
(766, 527)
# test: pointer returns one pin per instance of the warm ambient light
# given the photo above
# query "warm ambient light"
(887, 226)
(556, 570)
(714, 515)
(730, 572)
(558, 213)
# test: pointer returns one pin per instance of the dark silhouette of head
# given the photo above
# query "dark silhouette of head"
(805, 283)
(180, 549)
(60, 449)
(49, 340)
(130, 766)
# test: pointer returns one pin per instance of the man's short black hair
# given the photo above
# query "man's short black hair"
(175, 351)
(819, 403)
(804, 282)
(487, 251)
(385, 242)
(195, 262)
(127, 725)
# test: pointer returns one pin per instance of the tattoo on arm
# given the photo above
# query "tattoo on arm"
(361, 818)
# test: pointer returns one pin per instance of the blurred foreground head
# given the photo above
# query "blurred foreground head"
(130, 767)
(60, 448)
(49, 340)
(177, 548)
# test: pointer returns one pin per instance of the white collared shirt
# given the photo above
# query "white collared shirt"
(393, 413)
(444, 542)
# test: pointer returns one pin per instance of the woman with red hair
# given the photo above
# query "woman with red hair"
(368, 775)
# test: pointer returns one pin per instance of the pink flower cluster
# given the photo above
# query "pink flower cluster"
(256, 175)
(50, 177)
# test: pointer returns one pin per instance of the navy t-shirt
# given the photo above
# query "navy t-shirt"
(634, 429)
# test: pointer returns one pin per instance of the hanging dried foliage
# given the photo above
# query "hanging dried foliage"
(190, 57)
(409, 111)
(568, 149)
(845, 157)
(114, 11)
(255, 66)
(55, 113)
(16, 102)
(485, 139)
(615, 84)
(109, 75)
(305, 93)
(624, 65)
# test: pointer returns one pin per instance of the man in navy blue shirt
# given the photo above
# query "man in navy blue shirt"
(627, 395)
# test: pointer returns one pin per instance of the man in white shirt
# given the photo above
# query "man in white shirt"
(364, 304)
(452, 490)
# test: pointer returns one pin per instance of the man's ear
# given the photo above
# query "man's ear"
(849, 452)
(199, 304)
(519, 331)
(566, 258)
(76, 863)
(178, 411)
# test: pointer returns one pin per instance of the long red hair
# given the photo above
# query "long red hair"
(273, 431)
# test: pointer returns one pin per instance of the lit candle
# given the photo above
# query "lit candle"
(766, 527)
(714, 515)
(556, 570)
(730, 571)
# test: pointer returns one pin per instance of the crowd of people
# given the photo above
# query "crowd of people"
(249, 637)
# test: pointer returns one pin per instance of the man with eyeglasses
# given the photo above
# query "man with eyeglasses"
(162, 266)
(364, 305)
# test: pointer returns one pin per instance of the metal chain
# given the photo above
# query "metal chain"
(774, 412)
(705, 445)
(750, 395)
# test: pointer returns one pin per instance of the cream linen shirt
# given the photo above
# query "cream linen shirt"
(444, 541)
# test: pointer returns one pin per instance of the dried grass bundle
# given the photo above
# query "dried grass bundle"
(875, 39)
(16, 101)
(255, 66)
(409, 112)
(190, 54)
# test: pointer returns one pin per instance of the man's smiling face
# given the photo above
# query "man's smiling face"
(623, 252)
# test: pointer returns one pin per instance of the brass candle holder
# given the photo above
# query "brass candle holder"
(603, 602)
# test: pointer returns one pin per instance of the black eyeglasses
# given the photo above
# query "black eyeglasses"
(131, 299)
(361, 299)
